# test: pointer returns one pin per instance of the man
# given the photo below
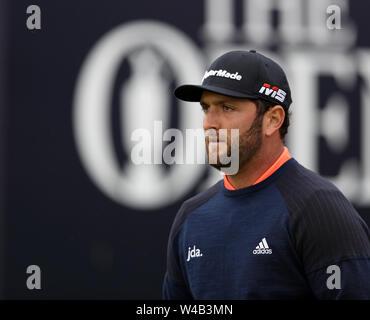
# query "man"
(273, 230)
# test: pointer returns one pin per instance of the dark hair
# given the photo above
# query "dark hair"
(263, 106)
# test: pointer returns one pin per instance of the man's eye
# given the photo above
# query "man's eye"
(227, 108)
(204, 108)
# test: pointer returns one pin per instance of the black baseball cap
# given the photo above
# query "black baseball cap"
(242, 74)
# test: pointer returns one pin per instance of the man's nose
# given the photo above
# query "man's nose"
(211, 119)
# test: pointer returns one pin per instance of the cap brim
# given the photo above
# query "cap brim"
(193, 93)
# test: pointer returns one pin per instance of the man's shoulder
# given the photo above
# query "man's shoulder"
(193, 203)
(202, 197)
(314, 202)
(325, 225)
(302, 183)
(307, 193)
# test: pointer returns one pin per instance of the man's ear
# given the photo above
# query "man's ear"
(273, 120)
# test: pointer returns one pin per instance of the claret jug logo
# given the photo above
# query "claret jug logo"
(143, 98)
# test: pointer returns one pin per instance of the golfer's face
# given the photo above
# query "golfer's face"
(223, 112)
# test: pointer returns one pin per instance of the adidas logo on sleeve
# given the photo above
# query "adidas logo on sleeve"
(262, 248)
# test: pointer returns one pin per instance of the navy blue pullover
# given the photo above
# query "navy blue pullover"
(292, 236)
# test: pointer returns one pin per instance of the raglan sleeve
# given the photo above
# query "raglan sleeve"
(333, 243)
(175, 286)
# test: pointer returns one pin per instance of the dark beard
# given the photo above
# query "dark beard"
(249, 144)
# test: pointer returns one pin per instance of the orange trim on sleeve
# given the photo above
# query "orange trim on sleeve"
(284, 157)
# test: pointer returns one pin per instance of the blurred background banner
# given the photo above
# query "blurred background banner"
(79, 77)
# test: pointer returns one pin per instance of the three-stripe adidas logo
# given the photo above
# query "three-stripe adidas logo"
(262, 248)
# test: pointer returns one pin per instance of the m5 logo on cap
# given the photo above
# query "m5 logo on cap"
(273, 92)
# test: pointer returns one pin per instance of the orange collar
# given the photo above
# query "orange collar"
(284, 157)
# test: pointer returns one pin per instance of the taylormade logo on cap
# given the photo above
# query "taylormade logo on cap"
(222, 73)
